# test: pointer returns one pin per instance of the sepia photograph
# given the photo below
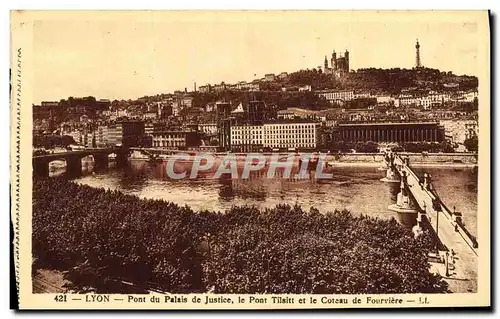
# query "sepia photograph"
(276, 155)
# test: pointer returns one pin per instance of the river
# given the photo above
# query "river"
(354, 188)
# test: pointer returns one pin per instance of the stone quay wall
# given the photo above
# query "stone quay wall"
(415, 158)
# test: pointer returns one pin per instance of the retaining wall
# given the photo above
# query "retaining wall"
(431, 158)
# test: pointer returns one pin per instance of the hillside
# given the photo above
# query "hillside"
(395, 81)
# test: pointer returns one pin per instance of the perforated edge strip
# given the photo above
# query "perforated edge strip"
(17, 178)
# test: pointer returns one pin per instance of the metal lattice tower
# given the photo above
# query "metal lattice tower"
(417, 56)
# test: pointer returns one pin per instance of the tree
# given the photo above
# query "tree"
(67, 140)
(366, 147)
(214, 142)
(360, 103)
(340, 146)
(446, 147)
(246, 250)
(472, 143)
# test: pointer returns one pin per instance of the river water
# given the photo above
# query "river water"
(355, 188)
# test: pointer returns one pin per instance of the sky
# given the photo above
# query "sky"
(126, 55)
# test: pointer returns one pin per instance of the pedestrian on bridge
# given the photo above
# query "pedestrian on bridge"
(429, 183)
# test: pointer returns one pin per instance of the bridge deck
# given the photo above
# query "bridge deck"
(81, 153)
(465, 273)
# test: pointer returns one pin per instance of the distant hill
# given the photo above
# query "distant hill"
(394, 81)
(385, 81)
(282, 100)
(316, 79)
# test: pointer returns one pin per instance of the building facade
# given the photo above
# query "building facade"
(334, 96)
(247, 86)
(425, 101)
(101, 136)
(290, 135)
(282, 75)
(381, 99)
(114, 134)
(224, 122)
(90, 140)
(392, 132)
(270, 77)
(77, 136)
(208, 128)
(205, 88)
(175, 139)
(219, 87)
(252, 138)
(246, 138)
(457, 131)
(305, 88)
(126, 133)
(176, 107)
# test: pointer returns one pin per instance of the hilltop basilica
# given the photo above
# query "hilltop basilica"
(339, 65)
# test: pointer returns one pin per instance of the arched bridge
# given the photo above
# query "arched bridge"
(73, 159)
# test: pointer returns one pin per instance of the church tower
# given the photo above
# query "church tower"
(347, 61)
(334, 60)
(326, 64)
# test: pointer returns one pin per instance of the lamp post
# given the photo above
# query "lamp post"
(446, 261)
(437, 230)
(424, 212)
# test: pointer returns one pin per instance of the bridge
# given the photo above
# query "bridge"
(73, 160)
(457, 244)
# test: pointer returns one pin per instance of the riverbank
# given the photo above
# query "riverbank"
(244, 250)
(361, 159)
(381, 165)
(416, 159)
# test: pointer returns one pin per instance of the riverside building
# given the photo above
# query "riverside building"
(283, 136)
(175, 139)
(392, 132)
(457, 130)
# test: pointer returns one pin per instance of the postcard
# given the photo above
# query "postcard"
(250, 159)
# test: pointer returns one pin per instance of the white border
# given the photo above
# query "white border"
(214, 4)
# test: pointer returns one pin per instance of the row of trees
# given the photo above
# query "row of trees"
(315, 78)
(472, 143)
(361, 103)
(153, 243)
(396, 80)
(282, 100)
(71, 108)
(51, 141)
(418, 147)
(347, 147)
(372, 147)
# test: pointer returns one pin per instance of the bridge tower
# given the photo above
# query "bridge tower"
(391, 175)
(406, 213)
(418, 229)
(40, 167)
(74, 165)
(122, 156)
(101, 161)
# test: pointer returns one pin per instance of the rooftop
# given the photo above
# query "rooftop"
(172, 132)
(388, 123)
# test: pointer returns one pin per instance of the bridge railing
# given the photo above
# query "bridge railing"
(453, 218)
(461, 228)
